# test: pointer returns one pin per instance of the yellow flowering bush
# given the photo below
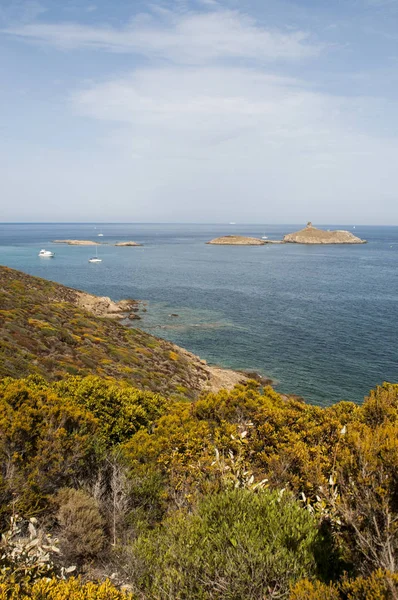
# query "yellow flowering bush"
(73, 589)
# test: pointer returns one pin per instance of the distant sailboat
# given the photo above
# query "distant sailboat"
(95, 259)
(100, 233)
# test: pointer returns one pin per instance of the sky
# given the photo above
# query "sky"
(252, 111)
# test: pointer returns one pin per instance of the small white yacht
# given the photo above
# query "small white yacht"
(264, 237)
(95, 259)
(46, 254)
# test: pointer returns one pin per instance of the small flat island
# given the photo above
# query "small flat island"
(91, 243)
(127, 244)
(237, 240)
(313, 235)
(77, 242)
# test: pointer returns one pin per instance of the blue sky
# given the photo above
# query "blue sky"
(199, 111)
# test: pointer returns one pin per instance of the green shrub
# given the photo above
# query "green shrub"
(236, 545)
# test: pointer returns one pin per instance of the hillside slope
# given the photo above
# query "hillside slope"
(49, 329)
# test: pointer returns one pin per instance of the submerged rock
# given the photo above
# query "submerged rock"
(133, 316)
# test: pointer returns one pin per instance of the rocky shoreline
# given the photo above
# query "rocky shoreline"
(217, 377)
(103, 306)
(214, 378)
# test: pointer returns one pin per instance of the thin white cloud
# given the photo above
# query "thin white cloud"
(204, 131)
(239, 134)
(182, 38)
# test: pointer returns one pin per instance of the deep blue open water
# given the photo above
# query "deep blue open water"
(320, 320)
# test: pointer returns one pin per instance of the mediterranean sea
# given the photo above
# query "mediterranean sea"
(319, 320)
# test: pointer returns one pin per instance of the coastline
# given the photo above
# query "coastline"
(218, 378)
(215, 377)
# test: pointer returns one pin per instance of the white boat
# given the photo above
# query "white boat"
(264, 237)
(95, 259)
(46, 254)
(100, 233)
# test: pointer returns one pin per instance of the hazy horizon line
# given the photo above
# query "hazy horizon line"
(101, 223)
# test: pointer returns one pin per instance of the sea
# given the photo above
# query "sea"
(320, 321)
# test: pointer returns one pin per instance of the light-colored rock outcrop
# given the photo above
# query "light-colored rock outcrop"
(312, 235)
(237, 240)
(102, 306)
(213, 378)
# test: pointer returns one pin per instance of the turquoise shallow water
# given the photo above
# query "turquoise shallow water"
(320, 320)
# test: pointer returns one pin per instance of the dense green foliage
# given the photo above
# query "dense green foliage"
(56, 435)
(239, 494)
(235, 545)
(178, 497)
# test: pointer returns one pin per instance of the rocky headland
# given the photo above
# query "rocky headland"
(313, 235)
(237, 240)
(52, 330)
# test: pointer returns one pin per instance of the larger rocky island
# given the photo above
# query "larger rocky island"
(313, 235)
